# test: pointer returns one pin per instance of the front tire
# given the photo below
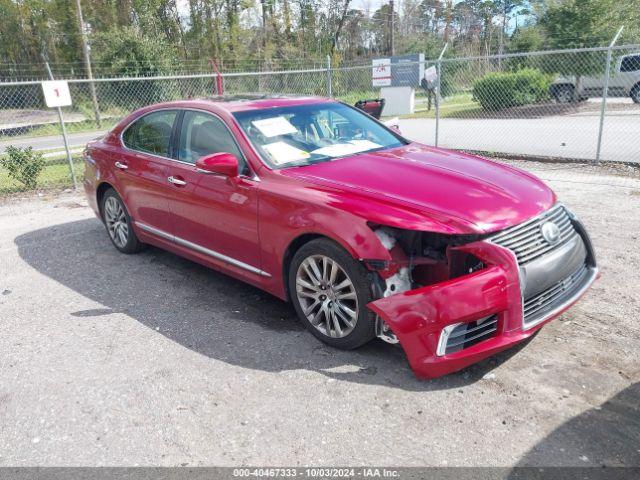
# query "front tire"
(330, 291)
(564, 94)
(118, 222)
(635, 94)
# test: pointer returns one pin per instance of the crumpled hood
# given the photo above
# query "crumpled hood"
(474, 194)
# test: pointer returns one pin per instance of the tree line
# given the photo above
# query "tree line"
(146, 37)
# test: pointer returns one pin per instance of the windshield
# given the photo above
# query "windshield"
(306, 134)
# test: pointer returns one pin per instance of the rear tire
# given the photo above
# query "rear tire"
(330, 291)
(635, 94)
(564, 94)
(118, 223)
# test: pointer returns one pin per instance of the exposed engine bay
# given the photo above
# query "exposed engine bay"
(419, 259)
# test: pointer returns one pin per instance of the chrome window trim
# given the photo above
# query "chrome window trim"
(203, 250)
(253, 175)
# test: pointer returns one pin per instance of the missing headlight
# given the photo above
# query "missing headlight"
(422, 258)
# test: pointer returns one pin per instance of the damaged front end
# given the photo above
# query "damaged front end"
(449, 300)
(418, 259)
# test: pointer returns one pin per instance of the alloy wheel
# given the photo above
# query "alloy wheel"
(564, 95)
(327, 296)
(116, 220)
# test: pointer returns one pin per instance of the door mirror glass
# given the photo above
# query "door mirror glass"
(221, 163)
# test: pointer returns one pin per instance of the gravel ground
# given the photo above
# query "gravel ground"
(150, 359)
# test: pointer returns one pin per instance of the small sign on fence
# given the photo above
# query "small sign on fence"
(381, 72)
(56, 93)
(398, 71)
(431, 75)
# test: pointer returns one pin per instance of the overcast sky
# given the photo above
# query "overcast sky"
(365, 5)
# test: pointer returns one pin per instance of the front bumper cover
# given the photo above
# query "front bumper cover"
(417, 317)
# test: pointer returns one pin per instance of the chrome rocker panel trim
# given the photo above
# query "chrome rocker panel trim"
(200, 249)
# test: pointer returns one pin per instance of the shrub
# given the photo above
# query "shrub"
(23, 165)
(500, 90)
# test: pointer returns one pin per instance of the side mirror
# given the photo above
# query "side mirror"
(221, 163)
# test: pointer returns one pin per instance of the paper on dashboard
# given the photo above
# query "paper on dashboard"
(281, 153)
(274, 126)
(341, 149)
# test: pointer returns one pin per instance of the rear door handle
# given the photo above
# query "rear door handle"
(176, 181)
(121, 166)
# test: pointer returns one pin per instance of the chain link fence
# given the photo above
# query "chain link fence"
(537, 105)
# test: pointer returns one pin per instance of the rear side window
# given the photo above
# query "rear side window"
(151, 133)
(630, 64)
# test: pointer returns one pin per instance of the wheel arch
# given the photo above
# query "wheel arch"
(100, 191)
(295, 245)
(634, 89)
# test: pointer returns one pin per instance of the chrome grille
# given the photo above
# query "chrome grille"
(526, 241)
(544, 301)
(468, 334)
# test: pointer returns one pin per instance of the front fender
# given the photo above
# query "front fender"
(284, 218)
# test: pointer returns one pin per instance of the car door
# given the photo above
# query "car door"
(628, 76)
(213, 215)
(141, 169)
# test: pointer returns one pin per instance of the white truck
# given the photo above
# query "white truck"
(624, 82)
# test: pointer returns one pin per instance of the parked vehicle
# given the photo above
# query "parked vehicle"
(454, 256)
(624, 82)
(372, 106)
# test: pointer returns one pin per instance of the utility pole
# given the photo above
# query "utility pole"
(87, 65)
(392, 47)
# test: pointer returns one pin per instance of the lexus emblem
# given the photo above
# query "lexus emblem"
(550, 232)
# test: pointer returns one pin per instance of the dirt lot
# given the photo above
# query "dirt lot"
(109, 359)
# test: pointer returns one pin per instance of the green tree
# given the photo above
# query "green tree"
(576, 24)
(125, 52)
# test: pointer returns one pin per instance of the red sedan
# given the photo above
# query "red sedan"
(454, 256)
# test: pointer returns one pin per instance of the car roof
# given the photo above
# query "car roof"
(237, 103)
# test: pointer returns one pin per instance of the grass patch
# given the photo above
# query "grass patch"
(460, 105)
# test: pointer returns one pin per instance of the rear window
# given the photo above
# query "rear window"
(630, 64)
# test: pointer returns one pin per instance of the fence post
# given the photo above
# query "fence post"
(438, 73)
(87, 65)
(64, 136)
(605, 93)
(329, 79)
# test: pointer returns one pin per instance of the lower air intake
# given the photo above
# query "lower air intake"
(467, 334)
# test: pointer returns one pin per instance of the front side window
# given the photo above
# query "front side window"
(312, 133)
(151, 133)
(203, 134)
(630, 64)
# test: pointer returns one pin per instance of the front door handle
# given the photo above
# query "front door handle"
(176, 181)
(121, 166)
